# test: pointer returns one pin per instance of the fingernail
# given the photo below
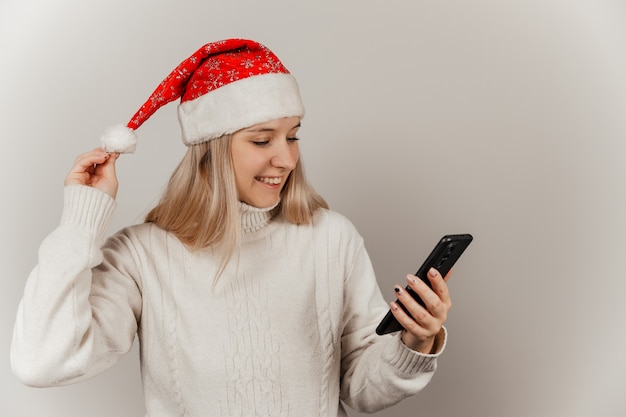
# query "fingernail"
(411, 279)
(397, 289)
(432, 272)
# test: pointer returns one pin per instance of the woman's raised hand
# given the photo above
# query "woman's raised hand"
(96, 169)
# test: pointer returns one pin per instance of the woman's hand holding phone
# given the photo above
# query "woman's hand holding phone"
(422, 306)
(422, 324)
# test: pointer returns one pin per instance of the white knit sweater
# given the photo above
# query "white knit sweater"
(287, 331)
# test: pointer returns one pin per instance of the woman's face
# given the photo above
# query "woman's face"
(263, 156)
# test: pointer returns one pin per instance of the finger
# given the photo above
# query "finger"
(408, 322)
(107, 168)
(439, 285)
(415, 313)
(89, 159)
(84, 166)
(104, 177)
(431, 297)
(95, 168)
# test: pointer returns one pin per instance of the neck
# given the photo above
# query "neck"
(254, 218)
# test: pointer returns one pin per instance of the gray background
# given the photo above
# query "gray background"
(505, 119)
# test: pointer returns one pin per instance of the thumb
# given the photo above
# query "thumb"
(108, 168)
(106, 177)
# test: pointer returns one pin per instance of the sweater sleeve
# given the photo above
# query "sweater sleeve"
(376, 371)
(77, 316)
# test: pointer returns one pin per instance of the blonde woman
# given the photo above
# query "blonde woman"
(247, 294)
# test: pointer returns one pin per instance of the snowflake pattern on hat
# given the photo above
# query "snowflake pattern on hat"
(209, 68)
(223, 87)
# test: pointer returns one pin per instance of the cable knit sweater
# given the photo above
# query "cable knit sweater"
(287, 331)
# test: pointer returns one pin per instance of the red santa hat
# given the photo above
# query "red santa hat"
(223, 87)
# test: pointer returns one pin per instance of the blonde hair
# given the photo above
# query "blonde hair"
(200, 204)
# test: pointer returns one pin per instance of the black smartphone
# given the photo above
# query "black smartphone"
(444, 255)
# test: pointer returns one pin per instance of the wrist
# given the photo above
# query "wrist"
(428, 346)
(424, 346)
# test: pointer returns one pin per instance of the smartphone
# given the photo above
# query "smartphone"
(443, 256)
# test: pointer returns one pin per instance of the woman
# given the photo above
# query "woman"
(248, 296)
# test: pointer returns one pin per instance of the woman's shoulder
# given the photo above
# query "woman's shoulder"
(141, 234)
(332, 217)
(140, 229)
(334, 222)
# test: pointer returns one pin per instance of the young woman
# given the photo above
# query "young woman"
(248, 296)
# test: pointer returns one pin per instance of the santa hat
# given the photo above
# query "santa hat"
(223, 87)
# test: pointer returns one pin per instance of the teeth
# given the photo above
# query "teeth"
(267, 180)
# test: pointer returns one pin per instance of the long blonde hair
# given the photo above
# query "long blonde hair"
(200, 204)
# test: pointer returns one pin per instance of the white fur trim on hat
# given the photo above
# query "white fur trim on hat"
(119, 138)
(238, 105)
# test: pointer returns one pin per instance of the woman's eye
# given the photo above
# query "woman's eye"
(294, 139)
(261, 142)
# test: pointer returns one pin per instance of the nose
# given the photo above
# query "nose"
(286, 155)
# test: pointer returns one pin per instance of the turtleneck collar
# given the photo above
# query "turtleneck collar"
(254, 218)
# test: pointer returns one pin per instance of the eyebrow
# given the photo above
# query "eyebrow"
(269, 129)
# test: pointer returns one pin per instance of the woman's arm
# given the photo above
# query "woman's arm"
(379, 371)
(66, 328)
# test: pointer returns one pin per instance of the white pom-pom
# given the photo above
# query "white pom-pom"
(119, 138)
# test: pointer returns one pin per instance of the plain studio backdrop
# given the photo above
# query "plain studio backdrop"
(504, 119)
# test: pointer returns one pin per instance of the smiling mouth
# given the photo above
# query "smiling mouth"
(269, 180)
